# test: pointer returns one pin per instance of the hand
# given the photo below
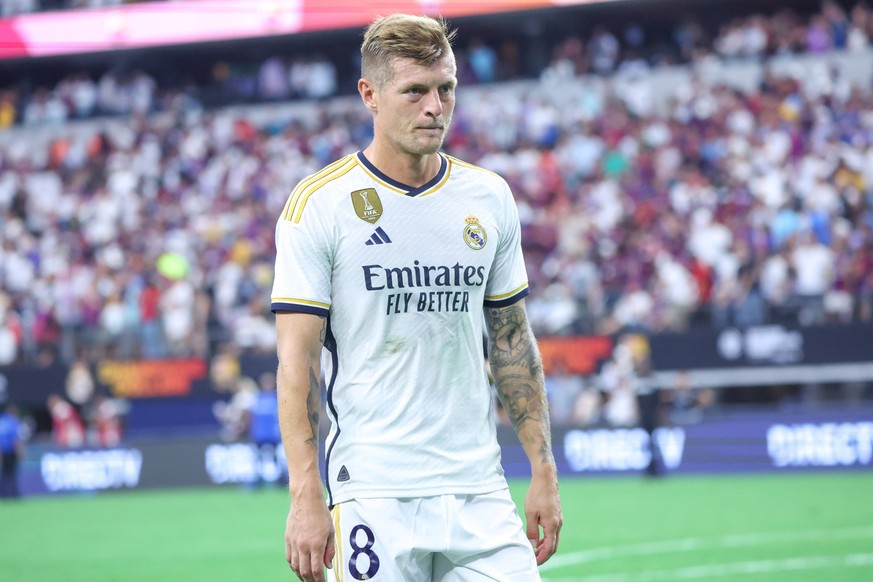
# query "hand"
(542, 508)
(309, 539)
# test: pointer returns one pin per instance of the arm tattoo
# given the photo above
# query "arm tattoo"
(518, 376)
(313, 408)
(313, 399)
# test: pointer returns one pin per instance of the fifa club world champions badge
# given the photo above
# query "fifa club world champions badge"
(474, 233)
(367, 204)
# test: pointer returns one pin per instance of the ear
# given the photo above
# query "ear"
(369, 94)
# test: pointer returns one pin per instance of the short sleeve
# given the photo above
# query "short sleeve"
(507, 281)
(302, 275)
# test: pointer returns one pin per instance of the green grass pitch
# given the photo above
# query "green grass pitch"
(778, 527)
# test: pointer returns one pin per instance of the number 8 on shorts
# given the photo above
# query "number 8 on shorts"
(362, 555)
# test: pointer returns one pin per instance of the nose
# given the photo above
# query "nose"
(433, 104)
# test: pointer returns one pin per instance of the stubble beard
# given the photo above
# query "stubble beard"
(429, 147)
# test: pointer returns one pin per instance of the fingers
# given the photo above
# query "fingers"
(306, 565)
(294, 561)
(533, 528)
(548, 544)
(309, 541)
(329, 552)
(316, 569)
(292, 558)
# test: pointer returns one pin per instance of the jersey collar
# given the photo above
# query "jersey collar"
(400, 186)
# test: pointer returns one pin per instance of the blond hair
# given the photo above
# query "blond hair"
(421, 38)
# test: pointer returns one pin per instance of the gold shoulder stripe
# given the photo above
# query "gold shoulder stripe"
(295, 194)
(505, 295)
(303, 183)
(303, 197)
(464, 164)
(300, 301)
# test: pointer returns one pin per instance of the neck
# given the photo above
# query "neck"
(410, 169)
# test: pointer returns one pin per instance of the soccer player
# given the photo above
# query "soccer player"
(392, 259)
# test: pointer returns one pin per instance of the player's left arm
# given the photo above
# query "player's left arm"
(518, 376)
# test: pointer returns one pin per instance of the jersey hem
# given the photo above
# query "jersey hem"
(411, 493)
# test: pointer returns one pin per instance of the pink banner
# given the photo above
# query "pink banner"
(166, 23)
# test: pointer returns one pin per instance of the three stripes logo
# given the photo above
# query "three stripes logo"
(380, 237)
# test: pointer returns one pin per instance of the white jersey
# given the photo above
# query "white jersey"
(402, 274)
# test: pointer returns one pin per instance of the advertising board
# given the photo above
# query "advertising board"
(736, 443)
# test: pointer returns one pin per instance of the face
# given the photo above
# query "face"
(414, 109)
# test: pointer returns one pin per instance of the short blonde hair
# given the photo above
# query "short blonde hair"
(421, 38)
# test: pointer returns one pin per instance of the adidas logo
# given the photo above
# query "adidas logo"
(343, 473)
(380, 237)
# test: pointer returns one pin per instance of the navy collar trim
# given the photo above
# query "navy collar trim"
(409, 190)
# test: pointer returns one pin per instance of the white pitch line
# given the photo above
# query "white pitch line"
(815, 535)
(730, 569)
(610, 552)
(692, 544)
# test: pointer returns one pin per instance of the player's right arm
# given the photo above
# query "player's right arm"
(309, 530)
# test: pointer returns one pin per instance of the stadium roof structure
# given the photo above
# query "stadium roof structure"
(171, 23)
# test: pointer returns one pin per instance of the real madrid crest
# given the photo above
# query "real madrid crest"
(474, 233)
(367, 204)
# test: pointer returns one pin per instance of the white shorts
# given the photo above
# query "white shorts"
(447, 538)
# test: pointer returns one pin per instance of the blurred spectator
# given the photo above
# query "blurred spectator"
(67, 426)
(689, 38)
(79, 385)
(10, 332)
(177, 308)
(7, 109)
(750, 307)
(264, 413)
(604, 50)
(686, 404)
(106, 420)
(313, 78)
(837, 22)
(234, 414)
(860, 28)
(563, 389)
(587, 408)
(151, 332)
(273, 80)
(647, 394)
(812, 262)
(483, 61)
(263, 425)
(619, 383)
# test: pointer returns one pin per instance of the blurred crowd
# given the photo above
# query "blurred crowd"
(79, 97)
(624, 393)
(314, 76)
(153, 236)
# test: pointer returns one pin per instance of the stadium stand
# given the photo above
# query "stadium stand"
(677, 177)
(730, 234)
